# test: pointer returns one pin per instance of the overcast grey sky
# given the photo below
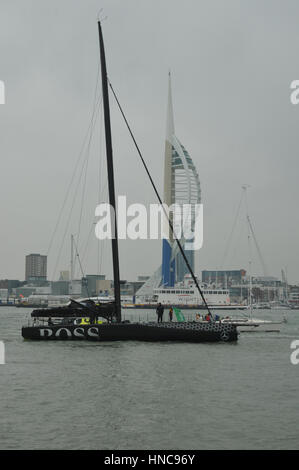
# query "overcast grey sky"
(232, 64)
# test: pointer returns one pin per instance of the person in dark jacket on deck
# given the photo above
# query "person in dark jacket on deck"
(160, 311)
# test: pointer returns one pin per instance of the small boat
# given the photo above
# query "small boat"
(62, 321)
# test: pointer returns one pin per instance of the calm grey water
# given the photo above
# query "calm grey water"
(130, 395)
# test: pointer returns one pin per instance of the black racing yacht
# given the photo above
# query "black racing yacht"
(104, 320)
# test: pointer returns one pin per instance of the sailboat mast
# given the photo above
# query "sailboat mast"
(110, 170)
(249, 249)
(72, 263)
(250, 284)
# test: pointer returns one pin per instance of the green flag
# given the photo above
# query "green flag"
(179, 316)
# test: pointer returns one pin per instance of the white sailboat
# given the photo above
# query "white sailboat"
(249, 323)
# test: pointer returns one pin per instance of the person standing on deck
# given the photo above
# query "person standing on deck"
(160, 311)
(170, 314)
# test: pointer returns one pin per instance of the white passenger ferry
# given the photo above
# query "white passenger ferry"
(190, 296)
(186, 294)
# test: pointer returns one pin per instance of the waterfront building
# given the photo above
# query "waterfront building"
(3, 295)
(60, 287)
(95, 284)
(36, 268)
(10, 284)
(293, 296)
(223, 278)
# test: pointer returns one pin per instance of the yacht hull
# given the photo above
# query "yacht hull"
(186, 332)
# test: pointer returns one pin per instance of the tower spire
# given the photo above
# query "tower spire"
(170, 120)
(168, 266)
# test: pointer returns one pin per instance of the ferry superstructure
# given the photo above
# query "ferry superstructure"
(188, 296)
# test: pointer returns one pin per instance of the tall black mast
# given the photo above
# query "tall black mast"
(110, 176)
